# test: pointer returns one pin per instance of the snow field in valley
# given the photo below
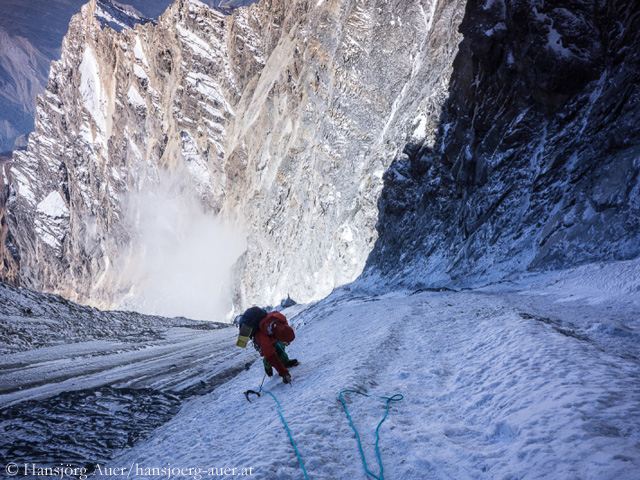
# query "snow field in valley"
(491, 388)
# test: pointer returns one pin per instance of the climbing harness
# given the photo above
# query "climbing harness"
(289, 432)
(394, 398)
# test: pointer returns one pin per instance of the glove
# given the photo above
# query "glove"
(268, 369)
(286, 379)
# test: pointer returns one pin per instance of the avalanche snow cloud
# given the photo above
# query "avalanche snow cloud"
(181, 256)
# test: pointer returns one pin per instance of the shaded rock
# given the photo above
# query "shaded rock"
(536, 164)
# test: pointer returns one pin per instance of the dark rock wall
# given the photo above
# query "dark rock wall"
(537, 159)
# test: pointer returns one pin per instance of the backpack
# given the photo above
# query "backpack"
(249, 324)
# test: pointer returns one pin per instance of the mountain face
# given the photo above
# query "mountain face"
(9, 258)
(440, 140)
(21, 79)
(30, 37)
(536, 163)
(31, 34)
(283, 116)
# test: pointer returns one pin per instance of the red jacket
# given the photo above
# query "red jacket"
(274, 328)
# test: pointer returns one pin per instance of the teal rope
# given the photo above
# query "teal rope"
(289, 432)
(395, 398)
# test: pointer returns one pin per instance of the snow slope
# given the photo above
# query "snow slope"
(535, 378)
(77, 384)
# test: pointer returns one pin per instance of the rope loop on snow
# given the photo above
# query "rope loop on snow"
(289, 432)
(394, 398)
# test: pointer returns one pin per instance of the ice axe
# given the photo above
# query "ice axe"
(248, 392)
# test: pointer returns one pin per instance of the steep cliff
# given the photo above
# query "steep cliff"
(31, 34)
(104, 128)
(504, 134)
(537, 159)
(283, 116)
(9, 258)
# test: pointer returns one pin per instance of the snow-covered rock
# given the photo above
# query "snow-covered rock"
(536, 161)
(31, 34)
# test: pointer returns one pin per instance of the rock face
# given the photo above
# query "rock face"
(504, 134)
(9, 258)
(31, 34)
(537, 159)
(283, 116)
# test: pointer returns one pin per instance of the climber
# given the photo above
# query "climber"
(270, 333)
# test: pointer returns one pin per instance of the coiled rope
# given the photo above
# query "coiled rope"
(394, 398)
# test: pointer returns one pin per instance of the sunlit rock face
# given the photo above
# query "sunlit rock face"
(282, 117)
(31, 34)
(119, 109)
(537, 159)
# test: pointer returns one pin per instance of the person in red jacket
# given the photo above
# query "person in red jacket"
(273, 331)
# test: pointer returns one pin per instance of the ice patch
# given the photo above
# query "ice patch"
(555, 42)
(52, 219)
(135, 99)
(94, 97)
(420, 128)
(347, 234)
(53, 206)
(139, 72)
(138, 52)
